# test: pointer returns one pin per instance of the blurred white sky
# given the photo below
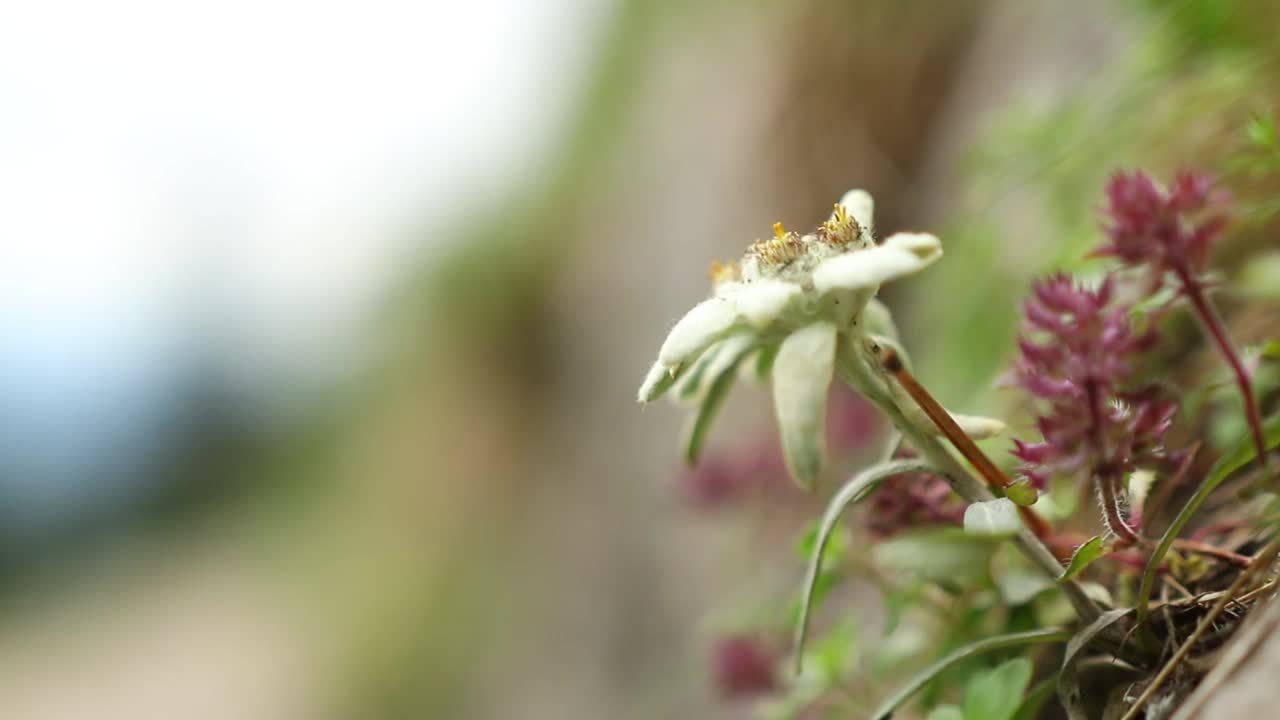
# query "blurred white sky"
(261, 160)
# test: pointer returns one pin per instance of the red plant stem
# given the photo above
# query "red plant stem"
(947, 425)
(1106, 475)
(1213, 324)
(1212, 551)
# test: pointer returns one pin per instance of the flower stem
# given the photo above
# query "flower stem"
(863, 377)
(1106, 474)
(1111, 509)
(948, 427)
(1212, 551)
(1204, 309)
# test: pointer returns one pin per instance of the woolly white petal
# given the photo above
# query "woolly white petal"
(865, 269)
(801, 376)
(923, 245)
(860, 206)
(992, 517)
(761, 302)
(657, 382)
(978, 428)
(877, 320)
(700, 327)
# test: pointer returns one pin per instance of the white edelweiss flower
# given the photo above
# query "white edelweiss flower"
(861, 207)
(701, 326)
(801, 375)
(901, 255)
(760, 302)
(997, 517)
(786, 311)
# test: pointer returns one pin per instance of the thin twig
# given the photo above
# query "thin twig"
(868, 378)
(947, 425)
(1260, 561)
(1213, 551)
(1204, 309)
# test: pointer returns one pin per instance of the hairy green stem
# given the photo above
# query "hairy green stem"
(859, 373)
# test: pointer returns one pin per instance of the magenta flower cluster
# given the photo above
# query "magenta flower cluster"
(1079, 352)
(912, 500)
(1167, 229)
(755, 468)
(744, 665)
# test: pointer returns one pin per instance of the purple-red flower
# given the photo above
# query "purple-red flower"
(755, 466)
(1079, 352)
(744, 665)
(912, 500)
(1168, 228)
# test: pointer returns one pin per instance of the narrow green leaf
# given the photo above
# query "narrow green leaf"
(764, 361)
(997, 693)
(1068, 679)
(1091, 550)
(942, 554)
(857, 488)
(725, 368)
(946, 712)
(801, 378)
(658, 380)
(692, 381)
(991, 644)
(1036, 697)
(1243, 453)
(710, 366)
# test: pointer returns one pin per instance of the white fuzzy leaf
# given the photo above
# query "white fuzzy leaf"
(700, 327)
(763, 301)
(992, 517)
(801, 376)
(874, 266)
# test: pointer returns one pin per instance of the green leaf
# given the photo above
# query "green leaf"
(764, 360)
(656, 383)
(1021, 493)
(997, 693)
(991, 644)
(1262, 132)
(1036, 697)
(1068, 680)
(1021, 584)
(801, 378)
(1243, 453)
(1091, 550)
(725, 366)
(1061, 499)
(946, 712)
(837, 544)
(836, 652)
(1270, 350)
(857, 488)
(946, 555)
(712, 364)
(692, 382)
(998, 518)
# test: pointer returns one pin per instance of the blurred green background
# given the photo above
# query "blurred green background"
(344, 425)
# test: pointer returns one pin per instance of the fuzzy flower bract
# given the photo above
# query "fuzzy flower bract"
(787, 311)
